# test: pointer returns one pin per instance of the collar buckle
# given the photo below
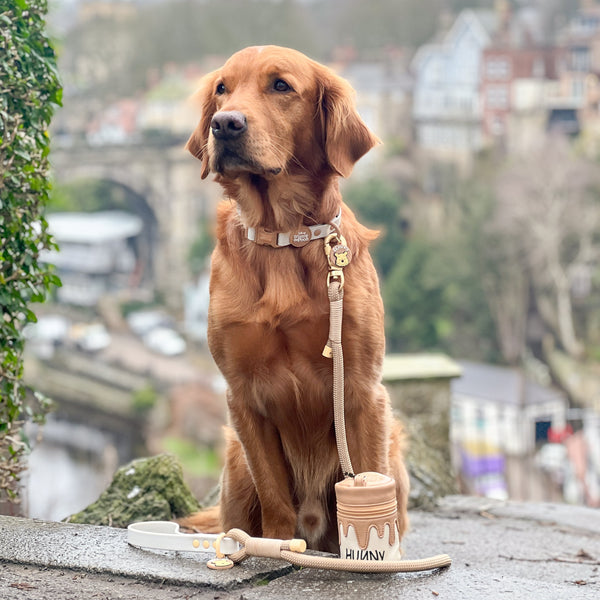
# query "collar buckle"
(266, 238)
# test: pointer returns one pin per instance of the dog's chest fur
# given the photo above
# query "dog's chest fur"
(276, 346)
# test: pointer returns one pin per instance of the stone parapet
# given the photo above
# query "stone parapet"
(515, 550)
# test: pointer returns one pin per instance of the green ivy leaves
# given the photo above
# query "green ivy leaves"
(29, 92)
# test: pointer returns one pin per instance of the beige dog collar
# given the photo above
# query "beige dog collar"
(297, 238)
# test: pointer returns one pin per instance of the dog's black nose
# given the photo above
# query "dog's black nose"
(228, 125)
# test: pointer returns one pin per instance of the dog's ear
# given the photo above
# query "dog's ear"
(345, 136)
(205, 97)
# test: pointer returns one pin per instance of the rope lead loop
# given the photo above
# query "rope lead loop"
(293, 552)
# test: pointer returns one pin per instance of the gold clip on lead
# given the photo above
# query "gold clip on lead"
(335, 274)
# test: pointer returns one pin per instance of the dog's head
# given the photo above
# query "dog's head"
(271, 110)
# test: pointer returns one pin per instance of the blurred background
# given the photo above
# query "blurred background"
(486, 192)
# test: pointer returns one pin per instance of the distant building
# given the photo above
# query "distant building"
(115, 125)
(578, 96)
(580, 68)
(504, 407)
(498, 418)
(490, 81)
(383, 93)
(97, 254)
(447, 109)
(515, 83)
(169, 107)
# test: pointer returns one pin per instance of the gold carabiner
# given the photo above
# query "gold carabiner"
(337, 274)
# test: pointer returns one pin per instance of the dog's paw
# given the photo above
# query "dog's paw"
(312, 522)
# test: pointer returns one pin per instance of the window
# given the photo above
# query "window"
(496, 125)
(497, 67)
(580, 59)
(578, 88)
(497, 96)
(539, 69)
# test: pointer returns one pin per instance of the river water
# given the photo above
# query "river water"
(70, 465)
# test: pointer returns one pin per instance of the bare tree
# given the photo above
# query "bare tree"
(506, 289)
(545, 205)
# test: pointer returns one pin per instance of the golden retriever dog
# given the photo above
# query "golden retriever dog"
(277, 130)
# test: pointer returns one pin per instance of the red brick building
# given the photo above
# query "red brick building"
(514, 79)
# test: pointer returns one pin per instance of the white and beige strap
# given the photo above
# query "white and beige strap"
(297, 237)
(165, 535)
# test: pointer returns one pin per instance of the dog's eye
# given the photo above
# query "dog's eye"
(221, 89)
(279, 85)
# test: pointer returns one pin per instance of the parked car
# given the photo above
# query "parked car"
(142, 322)
(165, 341)
(91, 338)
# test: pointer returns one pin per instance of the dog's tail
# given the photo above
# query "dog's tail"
(207, 520)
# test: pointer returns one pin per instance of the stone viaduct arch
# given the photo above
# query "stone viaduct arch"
(168, 179)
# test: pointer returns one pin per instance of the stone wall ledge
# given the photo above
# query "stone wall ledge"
(499, 550)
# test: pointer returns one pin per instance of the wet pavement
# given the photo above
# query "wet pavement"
(499, 550)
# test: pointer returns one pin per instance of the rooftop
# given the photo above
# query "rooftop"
(93, 228)
(503, 385)
(398, 367)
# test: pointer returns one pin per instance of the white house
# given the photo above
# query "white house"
(499, 416)
(97, 253)
(502, 408)
(447, 110)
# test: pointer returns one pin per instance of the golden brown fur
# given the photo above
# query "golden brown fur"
(269, 312)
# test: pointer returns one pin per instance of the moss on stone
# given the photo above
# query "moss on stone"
(431, 473)
(145, 489)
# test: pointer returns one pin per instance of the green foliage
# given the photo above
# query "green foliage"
(139, 43)
(201, 248)
(144, 399)
(433, 289)
(29, 90)
(196, 460)
(416, 315)
(460, 264)
(379, 205)
(87, 195)
(381, 23)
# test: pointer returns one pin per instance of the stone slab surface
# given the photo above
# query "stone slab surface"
(493, 557)
(28, 582)
(499, 550)
(96, 549)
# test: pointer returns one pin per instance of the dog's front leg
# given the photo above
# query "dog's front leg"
(270, 474)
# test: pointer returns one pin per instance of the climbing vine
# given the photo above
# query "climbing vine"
(29, 92)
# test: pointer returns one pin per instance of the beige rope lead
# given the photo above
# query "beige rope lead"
(292, 551)
(339, 256)
(336, 295)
